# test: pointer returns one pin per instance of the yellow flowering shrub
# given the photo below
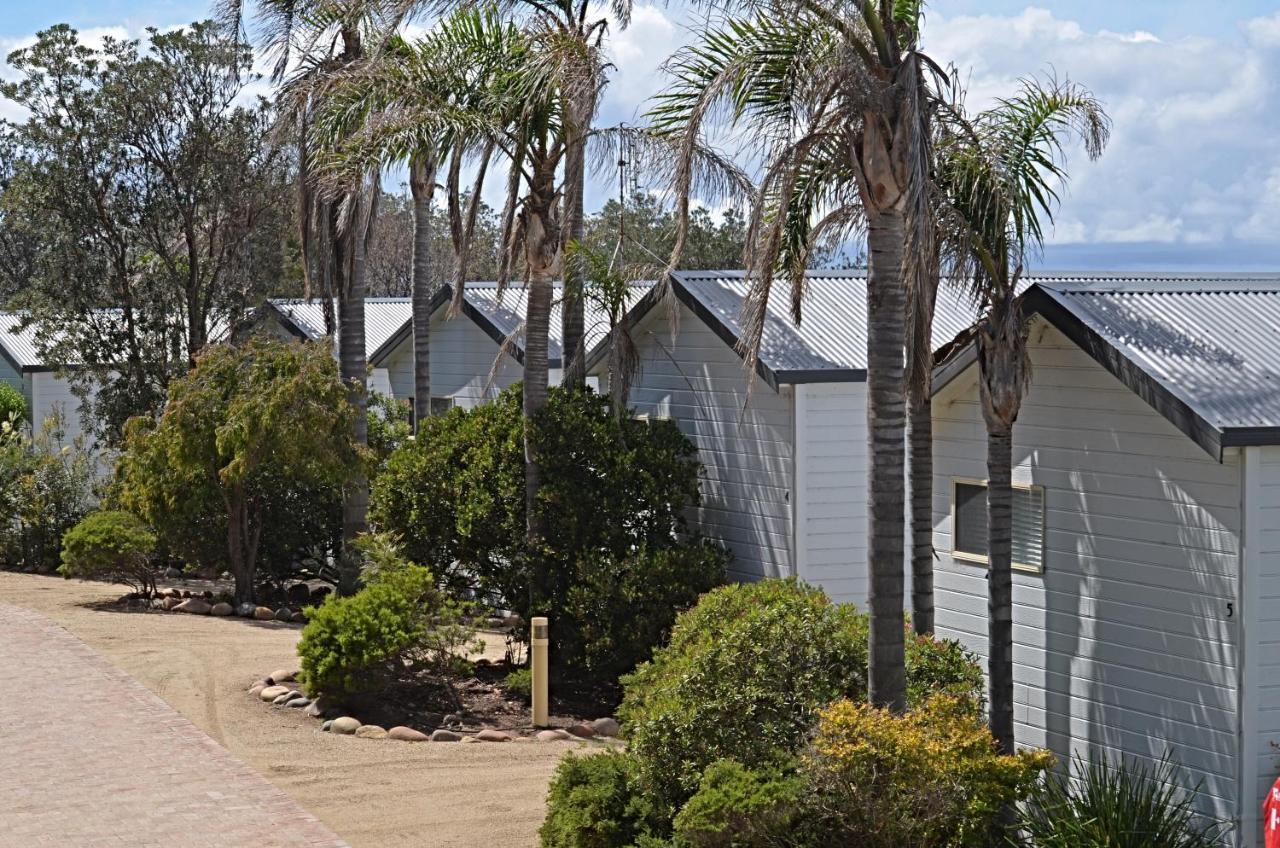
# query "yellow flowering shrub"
(931, 778)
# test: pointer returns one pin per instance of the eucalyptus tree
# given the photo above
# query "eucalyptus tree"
(1001, 175)
(834, 98)
(312, 41)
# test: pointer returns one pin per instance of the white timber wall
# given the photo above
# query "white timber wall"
(399, 367)
(746, 448)
(1127, 643)
(462, 357)
(51, 395)
(831, 487)
(1261, 601)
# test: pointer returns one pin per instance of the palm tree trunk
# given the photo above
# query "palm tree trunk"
(572, 318)
(1000, 584)
(922, 515)
(422, 183)
(542, 249)
(353, 365)
(886, 429)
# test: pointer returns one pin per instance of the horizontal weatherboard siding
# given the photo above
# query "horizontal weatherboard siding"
(1124, 645)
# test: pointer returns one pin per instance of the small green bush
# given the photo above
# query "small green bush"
(745, 675)
(13, 406)
(595, 802)
(519, 682)
(398, 624)
(114, 546)
(1129, 804)
(738, 807)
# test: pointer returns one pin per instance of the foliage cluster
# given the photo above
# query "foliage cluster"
(398, 624)
(46, 486)
(615, 567)
(13, 406)
(255, 443)
(111, 545)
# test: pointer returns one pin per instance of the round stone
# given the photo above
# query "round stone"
(606, 727)
(282, 675)
(270, 693)
(319, 707)
(246, 610)
(325, 727)
(443, 735)
(171, 603)
(345, 724)
(407, 734)
(584, 731)
(221, 609)
(491, 735)
(371, 731)
(263, 613)
(195, 606)
(298, 595)
(282, 700)
(554, 735)
(298, 617)
(297, 703)
(284, 614)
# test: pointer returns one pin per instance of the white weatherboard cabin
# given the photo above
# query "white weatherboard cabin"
(1147, 527)
(481, 352)
(785, 454)
(47, 391)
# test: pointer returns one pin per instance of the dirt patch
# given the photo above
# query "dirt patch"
(372, 793)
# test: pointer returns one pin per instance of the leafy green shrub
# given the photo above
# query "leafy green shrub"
(613, 498)
(1129, 804)
(46, 487)
(519, 682)
(13, 406)
(931, 777)
(398, 624)
(110, 545)
(595, 802)
(744, 677)
(738, 807)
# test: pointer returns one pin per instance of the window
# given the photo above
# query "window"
(969, 524)
(441, 405)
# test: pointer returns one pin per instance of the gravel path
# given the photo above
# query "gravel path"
(373, 794)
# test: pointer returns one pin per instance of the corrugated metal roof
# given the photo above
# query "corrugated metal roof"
(1211, 342)
(20, 345)
(505, 313)
(383, 317)
(832, 334)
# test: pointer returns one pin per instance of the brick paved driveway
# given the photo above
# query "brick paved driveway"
(90, 757)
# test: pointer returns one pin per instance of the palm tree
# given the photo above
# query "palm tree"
(313, 41)
(1001, 175)
(838, 98)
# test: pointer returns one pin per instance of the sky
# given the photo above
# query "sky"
(1190, 180)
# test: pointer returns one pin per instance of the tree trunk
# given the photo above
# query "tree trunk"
(542, 247)
(237, 539)
(422, 179)
(572, 318)
(1000, 585)
(353, 365)
(886, 431)
(922, 515)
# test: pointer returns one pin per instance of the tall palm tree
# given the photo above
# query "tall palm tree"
(313, 41)
(1002, 177)
(837, 96)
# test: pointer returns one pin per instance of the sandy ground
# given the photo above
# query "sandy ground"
(372, 793)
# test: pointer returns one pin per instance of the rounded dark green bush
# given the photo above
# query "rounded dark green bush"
(745, 675)
(596, 802)
(111, 545)
(614, 566)
(738, 807)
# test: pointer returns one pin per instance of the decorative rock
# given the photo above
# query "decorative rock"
(553, 735)
(443, 735)
(195, 606)
(223, 608)
(272, 692)
(298, 617)
(282, 675)
(583, 731)
(263, 614)
(407, 734)
(325, 727)
(170, 603)
(284, 614)
(468, 739)
(346, 725)
(256, 689)
(371, 731)
(173, 573)
(297, 703)
(491, 735)
(606, 727)
(282, 700)
(452, 719)
(298, 595)
(171, 592)
(245, 610)
(319, 707)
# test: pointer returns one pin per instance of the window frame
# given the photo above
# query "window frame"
(981, 559)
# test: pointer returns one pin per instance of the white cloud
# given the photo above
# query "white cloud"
(1192, 158)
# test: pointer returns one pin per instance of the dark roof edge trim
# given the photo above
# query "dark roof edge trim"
(494, 332)
(822, 375)
(439, 298)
